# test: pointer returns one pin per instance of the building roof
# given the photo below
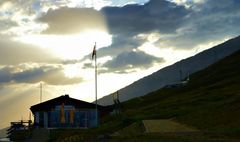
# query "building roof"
(50, 104)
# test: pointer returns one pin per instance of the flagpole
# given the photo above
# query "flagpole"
(96, 86)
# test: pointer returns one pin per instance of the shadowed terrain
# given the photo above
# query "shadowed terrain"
(209, 103)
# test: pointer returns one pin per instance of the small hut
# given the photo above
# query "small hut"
(66, 112)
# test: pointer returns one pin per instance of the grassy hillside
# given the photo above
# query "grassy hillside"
(210, 102)
(211, 98)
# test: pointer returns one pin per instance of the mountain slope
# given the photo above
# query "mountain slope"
(170, 74)
(210, 101)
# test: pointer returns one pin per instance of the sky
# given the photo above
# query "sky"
(51, 41)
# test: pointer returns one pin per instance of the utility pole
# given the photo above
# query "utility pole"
(40, 92)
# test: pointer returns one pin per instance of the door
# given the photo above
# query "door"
(83, 119)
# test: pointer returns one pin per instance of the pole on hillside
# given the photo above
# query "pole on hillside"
(40, 92)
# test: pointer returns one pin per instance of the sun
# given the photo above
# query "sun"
(69, 47)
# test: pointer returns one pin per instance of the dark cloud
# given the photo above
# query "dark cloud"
(210, 22)
(53, 75)
(223, 6)
(5, 75)
(131, 60)
(127, 22)
(156, 15)
(199, 24)
(7, 24)
(124, 56)
(87, 65)
(120, 44)
(29, 76)
(66, 62)
(179, 27)
(72, 20)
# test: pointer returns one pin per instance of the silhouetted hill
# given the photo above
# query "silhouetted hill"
(3, 133)
(171, 75)
(210, 101)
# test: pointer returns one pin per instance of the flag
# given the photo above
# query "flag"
(72, 110)
(94, 51)
(62, 114)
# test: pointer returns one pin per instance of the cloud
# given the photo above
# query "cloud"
(5, 75)
(120, 43)
(74, 61)
(13, 52)
(49, 74)
(127, 22)
(6, 24)
(131, 60)
(189, 3)
(72, 20)
(87, 65)
(210, 22)
(178, 27)
(156, 15)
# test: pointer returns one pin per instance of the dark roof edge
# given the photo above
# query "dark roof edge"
(63, 99)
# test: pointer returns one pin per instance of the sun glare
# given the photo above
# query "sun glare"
(69, 46)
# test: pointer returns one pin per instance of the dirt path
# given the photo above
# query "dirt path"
(166, 126)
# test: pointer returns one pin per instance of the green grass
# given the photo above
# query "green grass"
(210, 100)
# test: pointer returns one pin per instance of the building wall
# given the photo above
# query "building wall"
(69, 118)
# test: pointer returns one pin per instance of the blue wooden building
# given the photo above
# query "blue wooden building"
(66, 112)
